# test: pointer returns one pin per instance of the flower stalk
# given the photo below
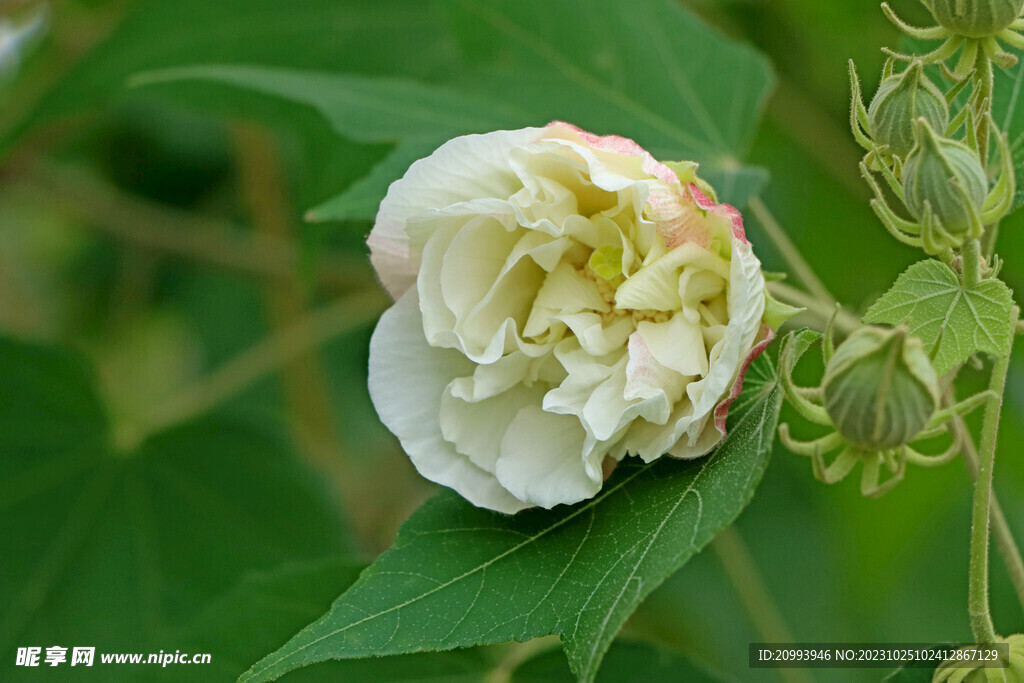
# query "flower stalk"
(978, 588)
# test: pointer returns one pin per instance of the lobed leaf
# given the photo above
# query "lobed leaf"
(953, 321)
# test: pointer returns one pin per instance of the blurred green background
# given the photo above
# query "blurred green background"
(158, 279)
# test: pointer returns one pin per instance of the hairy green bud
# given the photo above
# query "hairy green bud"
(975, 18)
(880, 389)
(946, 174)
(902, 99)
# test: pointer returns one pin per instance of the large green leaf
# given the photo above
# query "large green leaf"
(649, 70)
(655, 74)
(417, 116)
(266, 607)
(372, 37)
(954, 321)
(361, 36)
(459, 576)
(106, 548)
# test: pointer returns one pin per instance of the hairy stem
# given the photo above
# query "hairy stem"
(790, 253)
(978, 603)
(972, 262)
(753, 594)
(1005, 542)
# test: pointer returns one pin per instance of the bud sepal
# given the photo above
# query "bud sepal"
(878, 396)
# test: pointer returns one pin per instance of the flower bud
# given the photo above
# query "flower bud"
(880, 389)
(902, 99)
(975, 18)
(946, 174)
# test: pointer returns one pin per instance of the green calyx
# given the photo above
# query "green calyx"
(880, 389)
(944, 179)
(902, 99)
(975, 18)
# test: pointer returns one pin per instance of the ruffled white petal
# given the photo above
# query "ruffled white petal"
(542, 461)
(677, 344)
(462, 169)
(407, 380)
(476, 428)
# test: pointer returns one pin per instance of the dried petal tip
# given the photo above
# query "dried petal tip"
(902, 99)
(945, 178)
(880, 389)
(975, 18)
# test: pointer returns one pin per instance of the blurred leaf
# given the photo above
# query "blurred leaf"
(647, 70)
(705, 108)
(362, 36)
(576, 571)
(625, 661)
(267, 607)
(958, 320)
(370, 110)
(109, 548)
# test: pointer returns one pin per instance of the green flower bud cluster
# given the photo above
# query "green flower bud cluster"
(975, 18)
(932, 161)
(941, 181)
(880, 389)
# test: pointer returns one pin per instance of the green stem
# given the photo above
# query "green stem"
(1005, 542)
(790, 253)
(978, 607)
(972, 262)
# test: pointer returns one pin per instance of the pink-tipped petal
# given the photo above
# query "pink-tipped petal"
(766, 335)
(624, 146)
(727, 210)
